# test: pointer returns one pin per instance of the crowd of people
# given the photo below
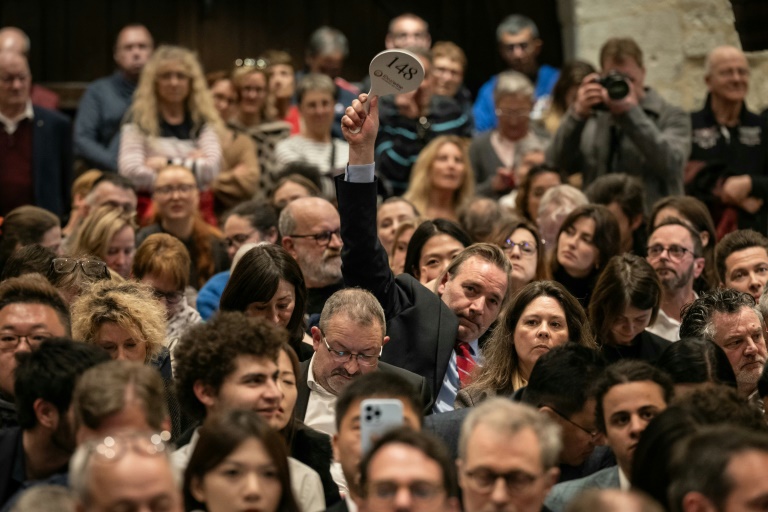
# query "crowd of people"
(555, 290)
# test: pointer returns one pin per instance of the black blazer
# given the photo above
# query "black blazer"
(422, 329)
(418, 383)
(52, 160)
(338, 507)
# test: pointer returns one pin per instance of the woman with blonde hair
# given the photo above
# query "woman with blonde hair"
(441, 179)
(110, 235)
(172, 120)
(541, 316)
(162, 262)
(124, 319)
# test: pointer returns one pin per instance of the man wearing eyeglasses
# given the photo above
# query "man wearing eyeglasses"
(348, 343)
(31, 310)
(35, 144)
(519, 46)
(309, 227)
(407, 471)
(628, 395)
(675, 253)
(507, 457)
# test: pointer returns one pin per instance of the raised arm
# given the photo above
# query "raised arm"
(364, 260)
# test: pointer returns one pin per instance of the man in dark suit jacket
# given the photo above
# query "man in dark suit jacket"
(35, 144)
(348, 343)
(426, 331)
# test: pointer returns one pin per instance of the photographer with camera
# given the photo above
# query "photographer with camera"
(617, 125)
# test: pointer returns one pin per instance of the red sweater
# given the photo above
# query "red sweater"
(16, 181)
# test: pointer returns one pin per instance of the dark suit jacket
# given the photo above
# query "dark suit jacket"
(12, 466)
(418, 383)
(422, 329)
(52, 160)
(338, 507)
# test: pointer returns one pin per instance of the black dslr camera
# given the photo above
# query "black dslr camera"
(617, 86)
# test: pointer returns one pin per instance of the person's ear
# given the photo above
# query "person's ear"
(547, 411)
(536, 45)
(697, 502)
(385, 341)
(287, 243)
(335, 447)
(636, 222)
(317, 338)
(196, 489)
(441, 287)
(550, 478)
(704, 235)
(698, 267)
(46, 414)
(204, 393)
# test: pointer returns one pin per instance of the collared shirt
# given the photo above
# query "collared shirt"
(624, 483)
(321, 408)
(351, 505)
(11, 124)
(451, 383)
(665, 326)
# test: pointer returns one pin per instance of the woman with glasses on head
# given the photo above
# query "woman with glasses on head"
(521, 243)
(71, 276)
(267, 282)
(172, 120)
(494, 154)
(162, 262)
(239, 463)
(588, 238)
(176, 199)
(542, 315)
(626, 301)
(110, 235)
(442, 181)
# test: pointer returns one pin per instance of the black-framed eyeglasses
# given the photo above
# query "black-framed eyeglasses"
(92, 268)
(593, 434)
(172, 298)
(322, 238)
(483, 480)
(10, 341)
(343, 356)
(676, 252)
(526, 248)
(238, 240)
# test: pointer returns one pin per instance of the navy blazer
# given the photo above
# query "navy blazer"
(418, 383)
(52, 160)
(422, 329)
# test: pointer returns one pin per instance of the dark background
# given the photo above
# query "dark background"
(72, 40)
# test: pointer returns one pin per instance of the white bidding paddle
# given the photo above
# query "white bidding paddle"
(393, 72)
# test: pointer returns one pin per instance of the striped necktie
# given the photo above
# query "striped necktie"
(465, 363)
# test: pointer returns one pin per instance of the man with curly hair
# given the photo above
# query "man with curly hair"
(228, 363)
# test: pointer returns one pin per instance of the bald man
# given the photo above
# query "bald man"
(310, 230)
(728, 167)
(15, 40)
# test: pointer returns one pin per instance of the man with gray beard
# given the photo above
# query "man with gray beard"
(730, 319)
(309, 227)
(675, 253)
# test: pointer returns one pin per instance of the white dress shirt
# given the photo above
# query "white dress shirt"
(321, 407)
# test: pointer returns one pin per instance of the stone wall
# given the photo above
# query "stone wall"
(675, 36)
